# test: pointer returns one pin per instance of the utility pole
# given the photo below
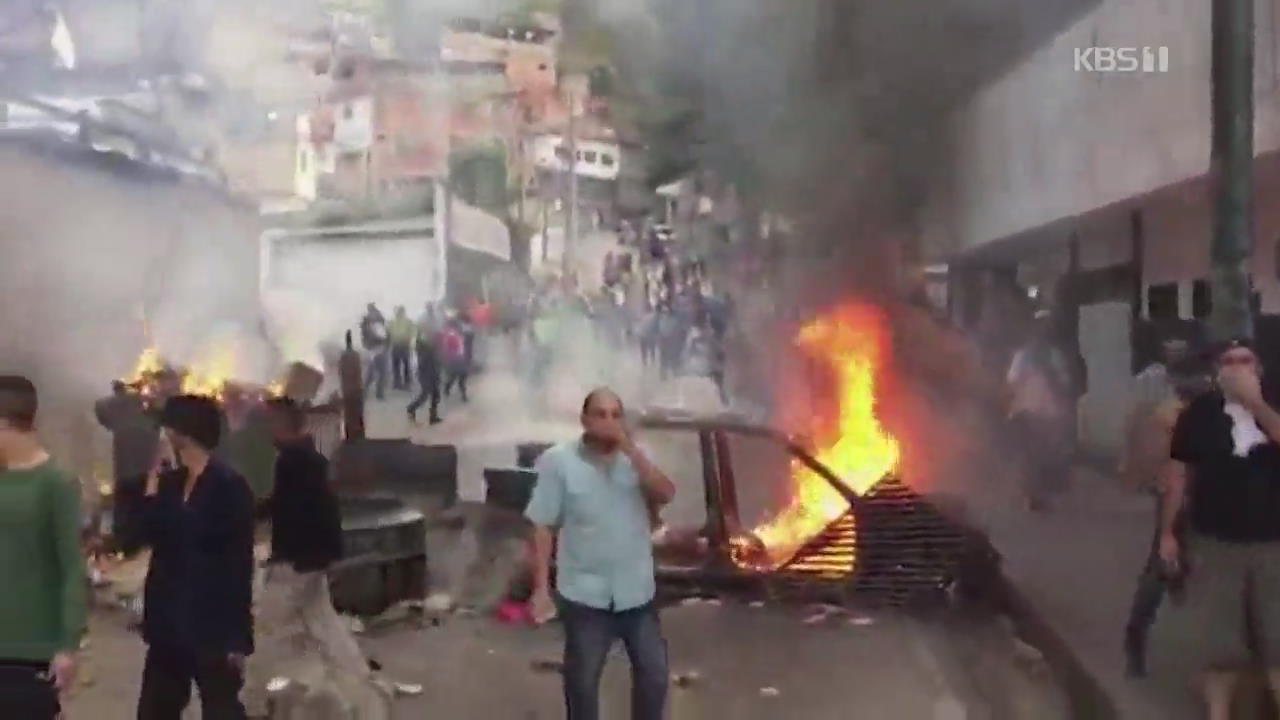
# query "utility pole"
(571, 219)
(1231, 166)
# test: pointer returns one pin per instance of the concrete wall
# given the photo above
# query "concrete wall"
(1046, 142)
(88, 249)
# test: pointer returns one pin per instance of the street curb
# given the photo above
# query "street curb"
(1089, 701)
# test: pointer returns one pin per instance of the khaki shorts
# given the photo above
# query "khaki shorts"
(1224, 577)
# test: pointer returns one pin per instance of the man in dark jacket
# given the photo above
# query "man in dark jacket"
(134, 436)
(296, 619)
(198, 519)
(374, 337)
(428, 379)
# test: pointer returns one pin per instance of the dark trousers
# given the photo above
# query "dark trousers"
(456, 376)
(400, 376)
(166, 686)
(376, 374)
(430, 390)
(648, 351)
(26, 691)
(1153, 584)
(126, 510)
(588, 636)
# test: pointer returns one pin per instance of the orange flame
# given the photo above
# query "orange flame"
(852, 342)
(209, 377)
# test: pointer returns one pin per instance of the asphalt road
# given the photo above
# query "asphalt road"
(478, 668)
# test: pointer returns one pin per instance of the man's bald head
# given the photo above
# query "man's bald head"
(599, 395)
(602, 419)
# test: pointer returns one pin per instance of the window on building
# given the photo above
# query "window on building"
(1162, 301)
(1201, 299)
(589, 156)
(606, 159)
(562, 153)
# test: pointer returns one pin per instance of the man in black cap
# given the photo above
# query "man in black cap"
(1226, 465)
(198, 519)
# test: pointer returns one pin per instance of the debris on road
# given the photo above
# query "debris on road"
(861, 621)
(407, 689)
(686, 679)
(440, 602)
(547, 665)
(769, 692)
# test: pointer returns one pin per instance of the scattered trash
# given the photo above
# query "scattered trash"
(490, 651)
(690, 601)
(513, 612)
(686, 679)
(769, 692)
(714, 602)
(438, 603)
(407, 689)
(547, 665)
(861, 621)
(821, 613)
(1026, 653)
(755, 604)
(277, 685)
(355, 624)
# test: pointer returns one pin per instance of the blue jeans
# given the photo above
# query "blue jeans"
(588, 636)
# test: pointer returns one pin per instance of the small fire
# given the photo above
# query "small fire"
(209, 377)
(852, 342)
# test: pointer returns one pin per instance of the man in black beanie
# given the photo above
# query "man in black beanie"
(198, 520)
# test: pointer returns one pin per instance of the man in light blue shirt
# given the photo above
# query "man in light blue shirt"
(595, 494)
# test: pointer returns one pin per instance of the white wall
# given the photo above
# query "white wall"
(544, 153)
(1045, 142)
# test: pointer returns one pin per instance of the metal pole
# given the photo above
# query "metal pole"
(1231, 166)
(571, 220)
(543, 197)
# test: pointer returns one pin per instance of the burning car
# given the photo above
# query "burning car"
(886, 544)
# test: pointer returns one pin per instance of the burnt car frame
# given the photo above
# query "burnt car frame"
(892, 546)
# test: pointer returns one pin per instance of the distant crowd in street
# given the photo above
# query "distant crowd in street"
(663, 308)
(438, 349)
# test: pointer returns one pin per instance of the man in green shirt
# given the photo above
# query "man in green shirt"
(42, 608)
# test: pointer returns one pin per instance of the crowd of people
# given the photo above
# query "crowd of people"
(437, 349)
(663, 310)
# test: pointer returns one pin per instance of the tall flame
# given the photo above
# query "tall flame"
(852, 342)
